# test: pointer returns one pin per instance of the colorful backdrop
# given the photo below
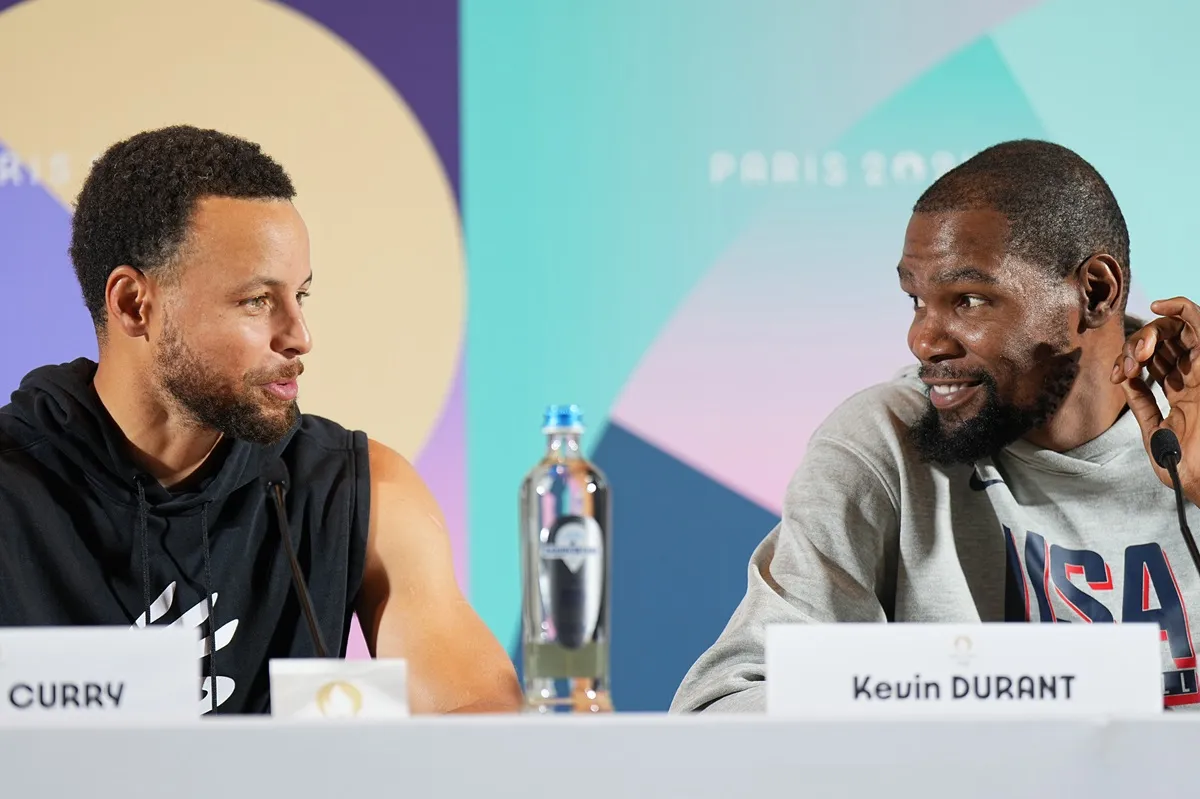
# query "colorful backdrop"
(682, 215)
(358, 100)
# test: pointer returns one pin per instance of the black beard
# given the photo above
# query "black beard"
(997, 424)
(213, 404)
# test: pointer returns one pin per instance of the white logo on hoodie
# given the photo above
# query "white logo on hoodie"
(195, 617)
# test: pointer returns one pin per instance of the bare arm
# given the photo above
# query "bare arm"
(411, 606)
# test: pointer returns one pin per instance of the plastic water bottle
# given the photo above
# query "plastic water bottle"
(566, 556)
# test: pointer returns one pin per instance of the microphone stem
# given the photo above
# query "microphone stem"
(310, 615)
(1180, 509)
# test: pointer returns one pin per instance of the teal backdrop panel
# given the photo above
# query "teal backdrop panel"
(686, 217)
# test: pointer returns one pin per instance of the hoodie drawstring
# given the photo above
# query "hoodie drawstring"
(143, 508)
(211, 640)
(212, 618)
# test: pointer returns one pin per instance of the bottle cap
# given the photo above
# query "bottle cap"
(563, 417)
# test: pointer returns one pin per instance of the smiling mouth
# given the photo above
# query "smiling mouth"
(951, 395)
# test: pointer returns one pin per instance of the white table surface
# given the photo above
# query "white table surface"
(625, 755)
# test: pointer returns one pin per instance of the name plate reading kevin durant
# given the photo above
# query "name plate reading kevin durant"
(899, 670)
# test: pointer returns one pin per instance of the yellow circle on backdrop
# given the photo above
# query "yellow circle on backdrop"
(388, 294)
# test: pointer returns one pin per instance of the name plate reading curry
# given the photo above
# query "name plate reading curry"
(75, 675)
(906, 670)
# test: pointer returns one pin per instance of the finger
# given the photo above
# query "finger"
(1134, 353)
(1162, 364)
(1180, 358)
(1174, 346)
(1142, 405)
(1139, 348)
(1184, 358)
(1184, 309)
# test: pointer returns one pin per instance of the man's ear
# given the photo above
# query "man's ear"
(128, 299)
(1102, 289)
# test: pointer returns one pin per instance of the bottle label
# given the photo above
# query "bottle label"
(574, 540)
(572, 579)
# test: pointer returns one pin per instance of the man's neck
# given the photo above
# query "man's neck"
(162, 439)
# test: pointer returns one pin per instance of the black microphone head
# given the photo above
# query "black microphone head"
(276, 473)
(1163, 445)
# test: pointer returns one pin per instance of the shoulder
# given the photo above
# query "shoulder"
(387, 477)
(396, 485)
(318, 433)
(15, 433)
(22, 450)
(327, 453)
(33, 475)
(388, 465)
(876, 420)
(863, 446)
(329, 463)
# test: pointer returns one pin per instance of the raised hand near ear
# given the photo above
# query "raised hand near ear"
(1168, 348)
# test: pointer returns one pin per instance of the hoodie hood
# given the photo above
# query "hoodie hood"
(59, 405)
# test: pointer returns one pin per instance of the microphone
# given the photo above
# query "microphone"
(276, 475)
(1164, 448)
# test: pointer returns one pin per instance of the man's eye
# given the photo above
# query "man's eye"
(973, 302)
(918, 303)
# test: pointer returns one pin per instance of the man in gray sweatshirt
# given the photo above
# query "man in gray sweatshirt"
(1005, 476)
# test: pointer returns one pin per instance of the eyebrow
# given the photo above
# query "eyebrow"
(266, 282)
(961, 274)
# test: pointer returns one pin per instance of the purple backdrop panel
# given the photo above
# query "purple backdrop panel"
(42, 316)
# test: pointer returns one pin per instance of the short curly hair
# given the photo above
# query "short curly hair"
(136, 204)
(1059, 209)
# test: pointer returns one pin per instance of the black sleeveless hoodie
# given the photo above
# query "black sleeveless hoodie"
(87, 538)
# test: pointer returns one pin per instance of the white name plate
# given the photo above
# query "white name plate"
(906, 670)
(339, 689)
(73, 675)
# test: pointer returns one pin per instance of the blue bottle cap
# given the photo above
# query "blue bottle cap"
(562, 417)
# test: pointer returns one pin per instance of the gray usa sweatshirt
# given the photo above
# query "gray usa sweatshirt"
(869, 533)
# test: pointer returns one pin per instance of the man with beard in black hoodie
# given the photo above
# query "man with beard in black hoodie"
(133, 491)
